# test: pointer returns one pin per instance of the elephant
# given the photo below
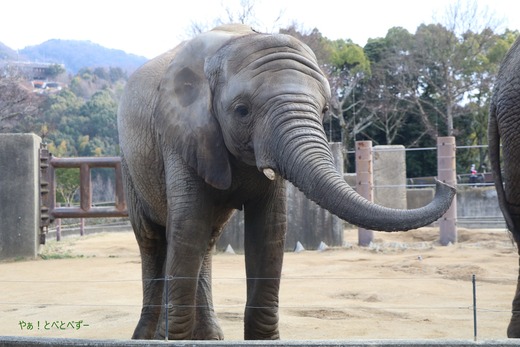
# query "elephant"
(218, 124)
(504, 121)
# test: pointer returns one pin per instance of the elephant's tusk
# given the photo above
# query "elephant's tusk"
(269, 173)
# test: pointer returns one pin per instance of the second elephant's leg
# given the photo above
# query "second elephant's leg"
(513, 330)
(265, 226)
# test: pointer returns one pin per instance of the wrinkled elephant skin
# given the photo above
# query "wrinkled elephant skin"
(504, 124)
(218, 124)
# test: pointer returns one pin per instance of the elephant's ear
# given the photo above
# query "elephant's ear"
(184, 117)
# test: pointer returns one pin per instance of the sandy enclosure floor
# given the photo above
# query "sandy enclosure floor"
(404, 286)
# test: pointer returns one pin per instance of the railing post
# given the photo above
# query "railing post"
(82, 226)
(58, 226)
(364, 183)
(447, 173)
(85, 191)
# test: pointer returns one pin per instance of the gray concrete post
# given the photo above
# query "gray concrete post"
(364, 183)
(390, 176)
(447, 173)
(19, 195)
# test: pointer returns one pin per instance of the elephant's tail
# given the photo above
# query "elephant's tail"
(496, 168)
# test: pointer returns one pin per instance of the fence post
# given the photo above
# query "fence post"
(447, 173)
(82, 227)
(19, 195)
(58, 229)
(364, 183)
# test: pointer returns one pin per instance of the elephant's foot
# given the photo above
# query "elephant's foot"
(206, 326)
(273, 335)
(261, 323)
(146, 327)
(211, 331)
(513, 330)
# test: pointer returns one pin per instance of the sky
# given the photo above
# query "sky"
(151, 27)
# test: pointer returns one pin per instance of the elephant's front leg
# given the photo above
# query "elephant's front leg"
(186, 250)
(265, 227)
(206, 324)
(189, 232)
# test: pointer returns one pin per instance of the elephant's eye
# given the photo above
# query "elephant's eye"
(241, 110)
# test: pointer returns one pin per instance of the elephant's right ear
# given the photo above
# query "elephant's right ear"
(184, 116)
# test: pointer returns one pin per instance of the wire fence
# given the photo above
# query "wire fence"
(481, 179)
(462, 302)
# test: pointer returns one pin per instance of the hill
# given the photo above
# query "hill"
(7, 53)
(80, 54)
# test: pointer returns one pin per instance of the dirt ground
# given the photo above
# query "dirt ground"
(404, 286)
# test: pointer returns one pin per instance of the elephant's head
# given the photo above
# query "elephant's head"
(260, 98)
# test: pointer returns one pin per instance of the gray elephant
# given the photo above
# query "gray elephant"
(215, 125)
(504, 124)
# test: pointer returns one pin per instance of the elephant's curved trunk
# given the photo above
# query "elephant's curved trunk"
(304, 158)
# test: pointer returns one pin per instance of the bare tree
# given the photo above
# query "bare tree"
(243, 12)
(17, 101)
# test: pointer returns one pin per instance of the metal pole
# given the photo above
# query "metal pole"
(82, 226)
(166, 306)
(58, 229)
(473, 279)
(364, 183)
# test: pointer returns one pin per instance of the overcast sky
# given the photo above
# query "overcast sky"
(150, 27)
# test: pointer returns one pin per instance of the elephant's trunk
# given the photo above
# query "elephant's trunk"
(303, 157)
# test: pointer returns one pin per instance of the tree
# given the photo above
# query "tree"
(347, 67)
(446, 58)
(18, 104)
(101, 112)
(55, 70)
(473, 126)
(242, 11)
(385, 92)
(67, 180)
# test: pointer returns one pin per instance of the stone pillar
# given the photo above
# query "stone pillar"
(389, 176)
(364, 183)
(447, 173)
(19, 195)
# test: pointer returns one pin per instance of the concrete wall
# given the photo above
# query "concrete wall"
(389, 164)
(307, 223)
(419, 197)
(19, 195)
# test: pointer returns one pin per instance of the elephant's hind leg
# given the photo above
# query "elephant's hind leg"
(513, 330)
(153, 255)
(152, 246)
